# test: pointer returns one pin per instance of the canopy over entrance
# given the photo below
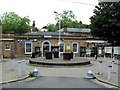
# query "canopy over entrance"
(95, 41)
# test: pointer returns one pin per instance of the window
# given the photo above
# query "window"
(62, 47)
(28, 47)
(75, 47)
(7, 47)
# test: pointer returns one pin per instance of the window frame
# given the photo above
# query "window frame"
(26, 48)
(76, 47)
(63, 46)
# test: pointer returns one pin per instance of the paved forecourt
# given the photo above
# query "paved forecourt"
(10, 71)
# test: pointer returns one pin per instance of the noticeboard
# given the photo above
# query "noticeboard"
(68, 47)
(117, 50)
(100, 50)
(108, 49)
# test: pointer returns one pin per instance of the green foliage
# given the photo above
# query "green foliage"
(106, 21)
(51, 27)
(86, 26)
(44, 27)
(69, 18)
(31, 74)
(66, 17)
(12, 23)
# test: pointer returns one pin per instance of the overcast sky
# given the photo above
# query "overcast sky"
(42, 11)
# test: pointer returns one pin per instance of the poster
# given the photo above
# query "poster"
(115, 50)
(68, 47)
(108, 49)
(118, 50)
(88, 50)
(100, 50)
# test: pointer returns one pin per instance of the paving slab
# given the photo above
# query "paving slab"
(9, 72)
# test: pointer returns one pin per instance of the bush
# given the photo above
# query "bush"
(31, 74)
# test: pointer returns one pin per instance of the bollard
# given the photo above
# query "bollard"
(1, 57)
(113, 62)
(35, 72)
(109, 72)
(100, 67)
(104, 57)
(19, 69)
(90, 74)
(12, 64)
(23, 66)
(111, 55)
(95, 57)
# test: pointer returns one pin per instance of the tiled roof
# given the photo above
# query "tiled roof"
(48, 33)
(83, 30)
(95, 41)
(62, 33)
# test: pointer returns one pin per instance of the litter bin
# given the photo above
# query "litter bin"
(71, 55)
(56, 54)
(92, 53)
(66, 56)
(33, 55)
(48, 55)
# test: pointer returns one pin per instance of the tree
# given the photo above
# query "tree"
(44, 27)
(106, 21)
(51, 27)
(24, 26)
(86, 25)
(66, 17)
(12, 23)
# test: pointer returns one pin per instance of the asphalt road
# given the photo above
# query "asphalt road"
(54, 82)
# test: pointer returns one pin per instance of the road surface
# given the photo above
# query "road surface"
(55, 82)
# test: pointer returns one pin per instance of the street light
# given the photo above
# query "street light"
(59, 32)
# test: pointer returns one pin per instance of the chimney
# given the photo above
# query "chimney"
(33, 26)
(65, 28)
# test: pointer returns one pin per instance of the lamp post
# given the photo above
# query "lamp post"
(59, 32)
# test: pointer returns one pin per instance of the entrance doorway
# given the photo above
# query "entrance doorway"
(37, 51)
(46, 47)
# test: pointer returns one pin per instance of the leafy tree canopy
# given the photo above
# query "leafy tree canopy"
(51, 27)
(66, 17)
(105, 22)
(13, 23)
